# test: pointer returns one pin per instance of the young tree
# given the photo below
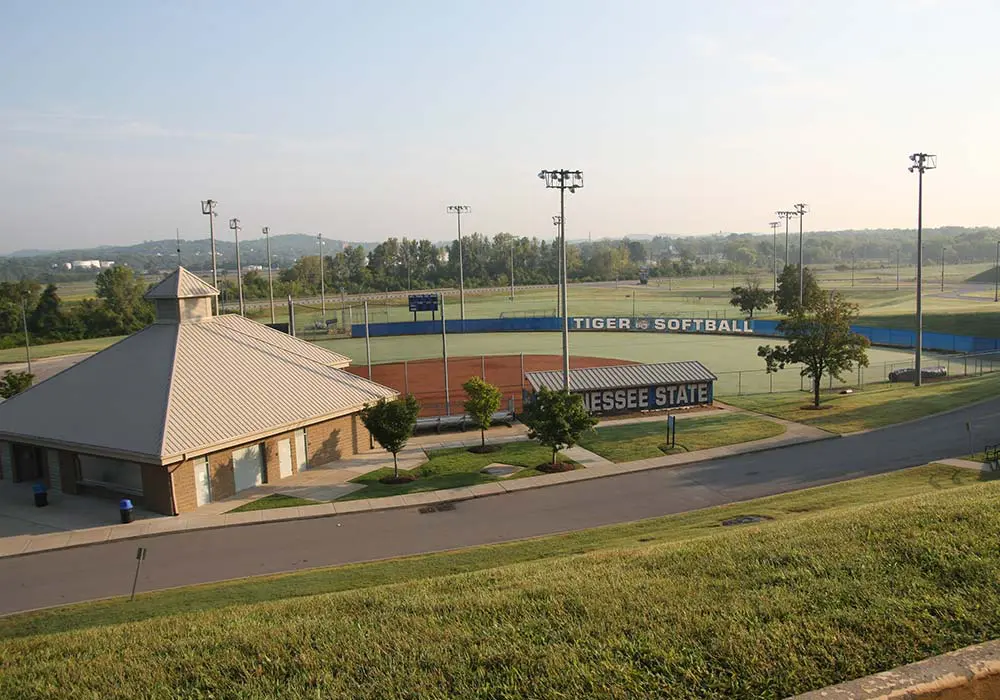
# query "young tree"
(820, 338)
(391, 423)
(751, 296)
(787, 298)
(483, 402)
(13, 383)
(556, 419)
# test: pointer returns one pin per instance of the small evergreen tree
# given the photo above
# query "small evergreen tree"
(786, 301)
(557, 419)
(13, 383)
(484, 400)
(391, 423)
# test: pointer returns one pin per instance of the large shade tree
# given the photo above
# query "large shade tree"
(821, 340)
(786, 301)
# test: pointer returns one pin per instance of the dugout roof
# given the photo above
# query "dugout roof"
(623, 376)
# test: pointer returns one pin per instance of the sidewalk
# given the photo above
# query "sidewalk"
(327, 478)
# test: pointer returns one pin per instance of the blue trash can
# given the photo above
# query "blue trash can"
(125, 508)
(41, 495)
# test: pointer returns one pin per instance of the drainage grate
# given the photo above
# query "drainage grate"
(437, 507)
(747, 519)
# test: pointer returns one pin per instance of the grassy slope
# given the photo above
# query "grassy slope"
(453, 467)
(625, 443)
(722, 616)
(876, 406)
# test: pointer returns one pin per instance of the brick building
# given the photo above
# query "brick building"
(192, 409)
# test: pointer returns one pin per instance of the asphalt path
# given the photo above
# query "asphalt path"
(99, 571)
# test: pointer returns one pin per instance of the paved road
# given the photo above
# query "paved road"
(65, 576)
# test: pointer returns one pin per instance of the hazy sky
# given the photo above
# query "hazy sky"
(363, 120)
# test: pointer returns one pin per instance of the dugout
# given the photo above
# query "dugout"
(631, 388)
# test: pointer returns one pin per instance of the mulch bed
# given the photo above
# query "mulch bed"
(394, 480)
(484, 449)
(550, 468)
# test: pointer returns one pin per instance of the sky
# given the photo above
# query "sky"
(364, 120)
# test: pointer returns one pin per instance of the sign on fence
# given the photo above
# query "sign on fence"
(660, 324)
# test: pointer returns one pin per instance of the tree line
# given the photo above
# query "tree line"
(118, 309)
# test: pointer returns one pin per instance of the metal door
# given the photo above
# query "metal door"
(202, 482)
(300, 450)
(285, 458)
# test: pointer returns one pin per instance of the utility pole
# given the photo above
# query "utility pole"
(921, 162)
(800, 210)
(458, 210)
(942, 267)
(27, 340)
(774, 252)
(234, 224)
(557, 222)
(177, 231)
(322, 277)
(208, 209)
(444, 355)
(786, 215)
(270, 285)
(563, 180)
(996, 282)
(897, 269)
(512, 239)
(853, 262)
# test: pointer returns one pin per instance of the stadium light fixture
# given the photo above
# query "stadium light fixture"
(234, 224)
(458, 210)
(563, 180)
(919, 163)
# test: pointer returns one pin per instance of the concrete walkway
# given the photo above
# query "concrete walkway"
(330, 482)
(967, 464)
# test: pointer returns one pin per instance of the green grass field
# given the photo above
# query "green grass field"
(844, 583)
(726, 357)
(71, 347)
(454, 467)
(632, 441)
(876, 406)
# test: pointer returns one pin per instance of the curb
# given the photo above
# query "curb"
(430, 501)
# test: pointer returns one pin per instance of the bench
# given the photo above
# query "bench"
(461, 421)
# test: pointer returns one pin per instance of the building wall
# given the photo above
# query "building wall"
(329, 441)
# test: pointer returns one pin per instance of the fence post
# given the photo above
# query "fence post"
(770, 382)
(406, 377)
(522, 371)
(483, 372)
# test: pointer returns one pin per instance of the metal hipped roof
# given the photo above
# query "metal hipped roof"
(175, 389)
(622, 376)
(182, 284)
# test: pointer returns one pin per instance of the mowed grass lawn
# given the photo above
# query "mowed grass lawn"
(875, 406)
(274, 500)
(70, 347)
(454, 467)
(626, 443)
(675, 608)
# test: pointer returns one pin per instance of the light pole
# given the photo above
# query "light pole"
(786, 215)
(996, 282)
(458, 210)
(921, 162)
(774, 252)
(557, 222)
(563, 180)
(942, 267)
(512, 239)
(322, 277)
(897, 269)
(208, 209)
(234, 224)
(800, 211)
(270, 285)
(27, 341)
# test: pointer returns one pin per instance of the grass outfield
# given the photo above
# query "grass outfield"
(874, 407)
(722, 355)
(632, 441)
(674, 607)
